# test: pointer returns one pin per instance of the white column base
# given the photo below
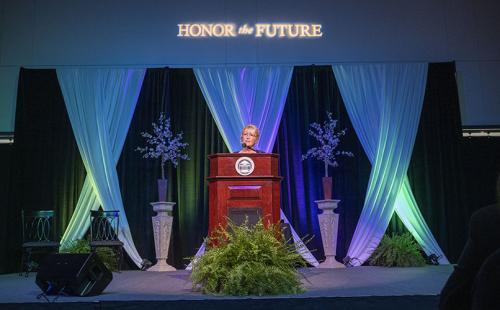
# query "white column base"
(330, 262)
(162, 229)
(161, 265)
(329, 223)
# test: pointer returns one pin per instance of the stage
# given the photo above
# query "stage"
(353, 288)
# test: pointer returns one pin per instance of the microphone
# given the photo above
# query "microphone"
(244, 145)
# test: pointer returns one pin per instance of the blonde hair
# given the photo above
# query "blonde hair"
(254, 128)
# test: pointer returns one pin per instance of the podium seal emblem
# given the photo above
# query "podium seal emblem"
(244, 166)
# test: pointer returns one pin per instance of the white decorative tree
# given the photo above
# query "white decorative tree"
(164, 145)
(329, 140)
(327, 152)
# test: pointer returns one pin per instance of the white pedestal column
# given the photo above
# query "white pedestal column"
(162, 228)
(329, 224)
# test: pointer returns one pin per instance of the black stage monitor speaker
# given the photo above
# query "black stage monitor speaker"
(73, 274)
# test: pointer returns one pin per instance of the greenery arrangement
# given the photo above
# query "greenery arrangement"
(329, 140)
(107, 255)
(248, 261)
(76, 246)
(163, 144)
(397, 251)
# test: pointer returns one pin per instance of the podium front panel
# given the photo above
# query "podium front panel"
(233, 196)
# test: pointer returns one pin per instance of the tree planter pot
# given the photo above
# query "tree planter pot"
(327, 187)
(162, 189)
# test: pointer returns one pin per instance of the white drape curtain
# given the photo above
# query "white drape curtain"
(384, 102)
(100, 105)
(237, 96)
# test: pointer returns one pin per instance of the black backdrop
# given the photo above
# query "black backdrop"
(47, 171)
(435, 170)
(177, 93)
(450, 176)
(313, 91)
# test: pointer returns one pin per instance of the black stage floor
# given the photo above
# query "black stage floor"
(352, 288)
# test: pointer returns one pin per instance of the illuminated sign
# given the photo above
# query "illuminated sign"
(223, 30)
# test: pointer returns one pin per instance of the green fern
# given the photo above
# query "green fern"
(107, 255)
(397, 251)
(248, 261)
(76, 246)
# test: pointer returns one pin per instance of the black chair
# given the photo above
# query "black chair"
(39, 237)
(104, 227)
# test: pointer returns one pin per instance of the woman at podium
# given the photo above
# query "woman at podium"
(249, 137)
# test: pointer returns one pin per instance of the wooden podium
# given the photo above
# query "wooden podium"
(243, 185)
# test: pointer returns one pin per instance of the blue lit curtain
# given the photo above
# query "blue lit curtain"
(384, 103)
(100, 105)
(237, 96)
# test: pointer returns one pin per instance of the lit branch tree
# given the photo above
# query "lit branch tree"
(164, 145)
(327, 152)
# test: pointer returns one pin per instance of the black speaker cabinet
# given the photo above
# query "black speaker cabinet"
(73, 274)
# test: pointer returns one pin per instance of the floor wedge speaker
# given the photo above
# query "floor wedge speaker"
(73, 274)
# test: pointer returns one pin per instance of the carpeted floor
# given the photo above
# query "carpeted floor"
(366, 287)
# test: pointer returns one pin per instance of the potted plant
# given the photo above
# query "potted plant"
(163, 144)
(397, 251)
(108, 257)
(248, 260)
(327, 152)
